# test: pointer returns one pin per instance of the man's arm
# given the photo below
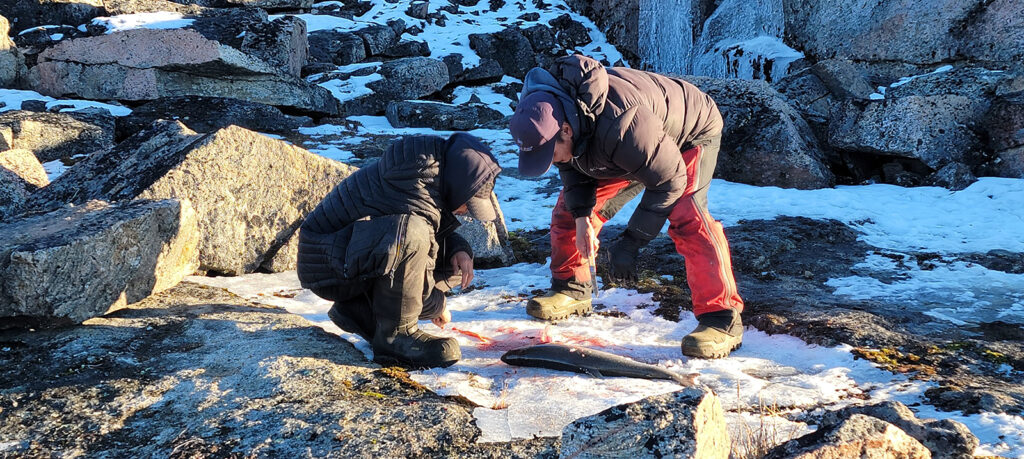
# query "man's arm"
(580, 191)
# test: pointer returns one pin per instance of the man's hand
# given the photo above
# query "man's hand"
(586, 239)
(443, 319)
(623, 257)
(462, 263)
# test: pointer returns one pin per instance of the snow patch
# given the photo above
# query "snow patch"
(157, 20)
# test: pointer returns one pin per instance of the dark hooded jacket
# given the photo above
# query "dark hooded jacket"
(406, 197)
(626, 124)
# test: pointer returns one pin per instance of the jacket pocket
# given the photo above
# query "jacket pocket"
(374, 249)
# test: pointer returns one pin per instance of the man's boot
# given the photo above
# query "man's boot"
(397, 303)
(717, 334)
(354, 315)
(566, 298)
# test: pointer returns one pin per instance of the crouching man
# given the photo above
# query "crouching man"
(382, 244)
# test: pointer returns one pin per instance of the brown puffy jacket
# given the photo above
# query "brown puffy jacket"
(630, 124)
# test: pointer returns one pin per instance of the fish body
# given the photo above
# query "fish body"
(593, 362)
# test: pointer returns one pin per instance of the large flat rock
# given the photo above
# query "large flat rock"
(146, 64)
(250, 192)
(81, 262)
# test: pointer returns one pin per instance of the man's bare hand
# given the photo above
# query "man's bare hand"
(443, 319)
(586, 238)
(463, 263)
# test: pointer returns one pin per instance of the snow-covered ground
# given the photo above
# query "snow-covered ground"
(778, 371)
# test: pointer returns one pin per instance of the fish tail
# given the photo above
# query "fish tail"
(687, 380)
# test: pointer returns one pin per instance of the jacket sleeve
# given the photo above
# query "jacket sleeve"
(452, 244)
(653, 159)
(580, 191)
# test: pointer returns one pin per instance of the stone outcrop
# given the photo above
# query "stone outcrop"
(31, 13)
(25, 165)
(147, 64)
(909, 33)
(52, 136)
(935, 130)
(199, 372)
(208, 114)
(12, 63)
(688, 423)
(336, 47)
(250, 192)
(509, 47)
(945, 438)
(765, 141)
(281, 43)
(401, 79)
(1004, 125)
(858, 436)
(489, 240)
(14, 191)
(439, 116)
(81, 262)
(620, 21)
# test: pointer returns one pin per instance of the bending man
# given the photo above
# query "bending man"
(614, 133)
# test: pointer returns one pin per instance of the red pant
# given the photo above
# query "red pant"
(698, 237)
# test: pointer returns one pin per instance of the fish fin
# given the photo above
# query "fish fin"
(686, 380)
(595, 373)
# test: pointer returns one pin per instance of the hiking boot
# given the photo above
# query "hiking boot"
(413, 348)
(555, 305)
(717, 334)
(353, 316)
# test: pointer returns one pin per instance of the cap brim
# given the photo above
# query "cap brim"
(481, 209)
(536, 162)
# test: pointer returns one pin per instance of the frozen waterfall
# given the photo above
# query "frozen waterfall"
(739, 39)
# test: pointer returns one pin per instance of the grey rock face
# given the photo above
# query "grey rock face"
(489, 240)
(81, 262)
(116, 7)
(403, 79)
(25, 165)
(1004, 122)
(201, 372)
(953, 176)
(377, 38)
(688, 423)
(620, 21)
(52, 136)
(12, 63)
(145, 64)
(509, 47)
(946, 439)
(858, 436)
(250, 192)
(32, 13)
(14, 191)
(965, 81)
(334, 47)
(568, 32)
(906, 31)
(281, 43)
(935, 130)
(208, 114)
(488, 70)
(809, 94)
(843, 79)
(765, 141)
(439, 116)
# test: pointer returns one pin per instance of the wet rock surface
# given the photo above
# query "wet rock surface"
(196, 371)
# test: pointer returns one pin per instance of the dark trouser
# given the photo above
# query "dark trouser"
(698, 237)
(411, 277)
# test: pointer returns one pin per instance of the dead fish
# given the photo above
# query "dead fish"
(593, 362)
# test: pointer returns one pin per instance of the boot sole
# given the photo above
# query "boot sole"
(392, 361)
(711, 352)
(580, 309)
